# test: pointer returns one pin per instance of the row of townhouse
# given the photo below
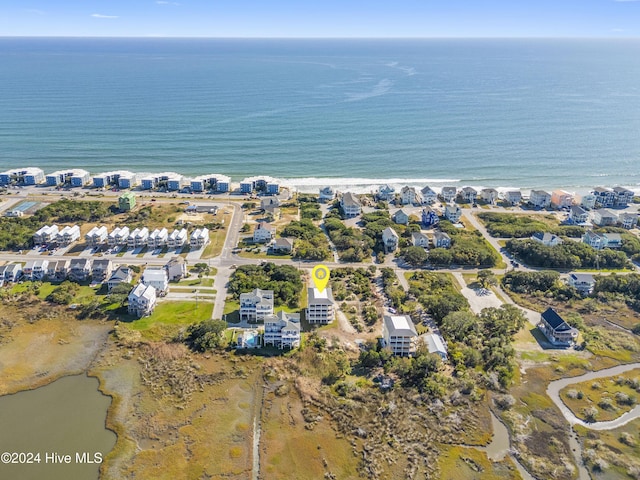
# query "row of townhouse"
(141, 237)
(54, 234)
(603, 217)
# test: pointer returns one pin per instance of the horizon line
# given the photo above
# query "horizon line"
(205, 37)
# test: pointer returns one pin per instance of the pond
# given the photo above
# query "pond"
(59, 428)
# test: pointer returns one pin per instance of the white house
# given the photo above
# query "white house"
(177, 239)
(399, 334)
(96, 236)
(410, 196)
(158, 238)
(350, 204)
(514, 197)
(68, 234)
(441, 240)
(561, 199)
(419, 239)
(546, 238)
(142, 300)
(400, 217)
(452, 213)
(469, 194)
(583, 282)
(263, 232)
(11, 272)
(35, 269)
(157, 278)
(540, 198)
(255, 305)
(46, 234)
(448, 194)
(435, 344)
(390, 239)
(386, 193)
(557, 331)
(282, 245)
(327, 194)
(320, 306)
(119, 236)
(429, 196)
(587, 201)
(176, 268)
(282, 330)
(141, 238)
(489, 195)
(199, 238)
(603, 217)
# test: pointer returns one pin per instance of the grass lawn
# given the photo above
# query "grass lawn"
(197, 282)
(263, 255)
(174, 313)
(231, 311)
(601, 394)
(217, 237)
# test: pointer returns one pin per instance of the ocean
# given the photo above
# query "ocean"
(348, 113)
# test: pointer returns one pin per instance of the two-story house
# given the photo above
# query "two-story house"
(557, 331)
(263, 232)
(441, 240)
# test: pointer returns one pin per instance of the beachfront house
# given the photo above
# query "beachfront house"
(73, 178)
(623, 196)
(127, 180)
(177, 239)
(68, 235)
(255, 305)
(603, 217)
(489, 195)
(587, 201)
(199, 238)
(350, 205)
(578, 215)
(390, 239)
(429, 217)
(400, 217)
(584, 283)
(429, 196)
(96, 236)
(452, 213)
(386, 193)
(212, 182)
(320, 306)
(176, 268)
(557, 331)
(628, 220)
(605, 197)
(410, 196)
(469, 194)
(263, 233)
(561, 199)
(157, 278)
(46, 234)
(435, 344)
(326, 195)
(79, 269)
(282, 330)
(546, 238)
(399, 334)
(513, 197)
(539, 199)
(266, 185)
(142, 300)
(101, 270)
(122, 274)
(419, 239)
(22, 176)
(441, 240)
(448, 194)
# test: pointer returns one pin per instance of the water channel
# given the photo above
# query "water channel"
(61, 424)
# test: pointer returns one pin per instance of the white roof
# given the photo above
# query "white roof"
(400, 325)
(434, 343)
(322, 297)
(217, 176)
(144, 291)
(154, 274)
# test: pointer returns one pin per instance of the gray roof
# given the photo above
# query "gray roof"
(349, 199)
(578, 210)
(582, 277)
(441, 236)
(320, 298)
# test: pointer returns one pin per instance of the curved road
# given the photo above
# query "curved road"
(553, 390)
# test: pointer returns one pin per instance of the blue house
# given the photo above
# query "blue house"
(429, 217)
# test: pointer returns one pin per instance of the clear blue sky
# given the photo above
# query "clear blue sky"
(321, 18)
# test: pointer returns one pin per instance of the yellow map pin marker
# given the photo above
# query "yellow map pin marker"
(320, 275)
